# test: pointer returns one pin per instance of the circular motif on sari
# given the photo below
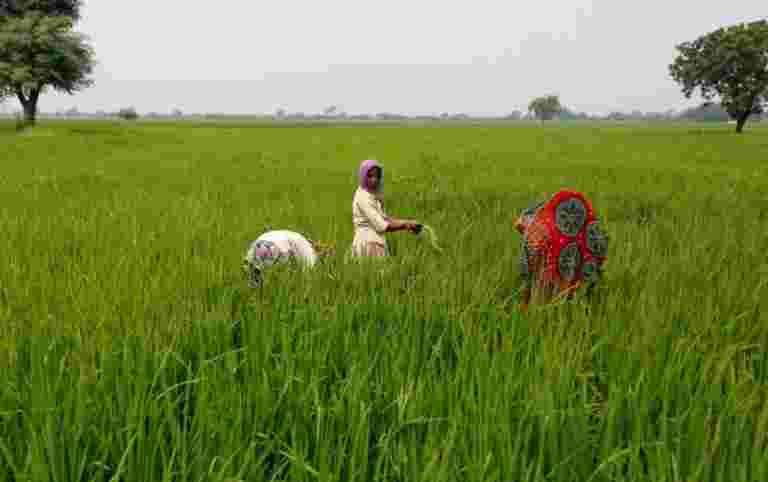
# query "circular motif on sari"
(597, 241)
(570, 216)
(569, 261)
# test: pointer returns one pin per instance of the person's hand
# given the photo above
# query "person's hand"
(414, 227)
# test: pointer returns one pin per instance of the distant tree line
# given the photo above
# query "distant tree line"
(550, 108)
(706, 112)
(728, 67)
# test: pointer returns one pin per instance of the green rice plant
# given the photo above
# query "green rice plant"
(428, 233)
(132, 347)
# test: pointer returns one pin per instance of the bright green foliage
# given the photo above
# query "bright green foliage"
(732, 63)
(545, 108)
(38, 52)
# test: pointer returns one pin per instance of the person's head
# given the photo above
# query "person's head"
(371, 176)
(260, 255)
(527, 217)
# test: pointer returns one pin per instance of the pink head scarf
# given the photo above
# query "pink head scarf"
(366, 166)
(264, 253)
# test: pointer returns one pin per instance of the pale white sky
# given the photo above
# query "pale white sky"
(406, 56)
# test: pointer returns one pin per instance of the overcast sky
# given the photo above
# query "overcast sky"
(406, 56)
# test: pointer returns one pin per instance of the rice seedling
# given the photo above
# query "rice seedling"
(428, 233)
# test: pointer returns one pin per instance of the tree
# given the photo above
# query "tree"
(545, 108)
(330, 111)
(128, 113)
(731, 63)
(39, 51)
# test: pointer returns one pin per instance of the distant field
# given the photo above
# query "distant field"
(132, 349)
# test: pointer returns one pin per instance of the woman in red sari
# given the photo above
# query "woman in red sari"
(563, 247)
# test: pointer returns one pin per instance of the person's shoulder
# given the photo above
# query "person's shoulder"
(362, 195)
(284, 234)
(295, 236)
(366, 195)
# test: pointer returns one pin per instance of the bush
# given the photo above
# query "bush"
(128, 113)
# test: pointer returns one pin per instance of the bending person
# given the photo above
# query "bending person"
(368, 216)
(563, 247)
(280, 246)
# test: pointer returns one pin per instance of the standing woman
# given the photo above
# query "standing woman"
(563, 247)
(368, 216)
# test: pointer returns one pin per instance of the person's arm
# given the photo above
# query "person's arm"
(395, 224)
(382, 223)
(402, 224)
(373, 213)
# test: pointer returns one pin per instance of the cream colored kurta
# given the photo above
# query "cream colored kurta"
(370, 222)
(290, 244)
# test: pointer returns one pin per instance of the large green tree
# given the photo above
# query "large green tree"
(53, 8)
(731, 63)
(40, 50)
(545, 108)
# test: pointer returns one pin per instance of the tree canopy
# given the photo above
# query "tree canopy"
(730, 63)
(545, 108)
(53, 8)
(38, 51)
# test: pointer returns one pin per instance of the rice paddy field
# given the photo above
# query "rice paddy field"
(132, 348)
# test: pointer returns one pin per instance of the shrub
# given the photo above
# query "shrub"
(128, 113)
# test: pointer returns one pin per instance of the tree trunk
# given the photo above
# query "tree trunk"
(745, 115)
(30, 113)
(29, 103)
(740, 123)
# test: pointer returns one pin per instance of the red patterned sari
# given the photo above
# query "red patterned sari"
(563, 247)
